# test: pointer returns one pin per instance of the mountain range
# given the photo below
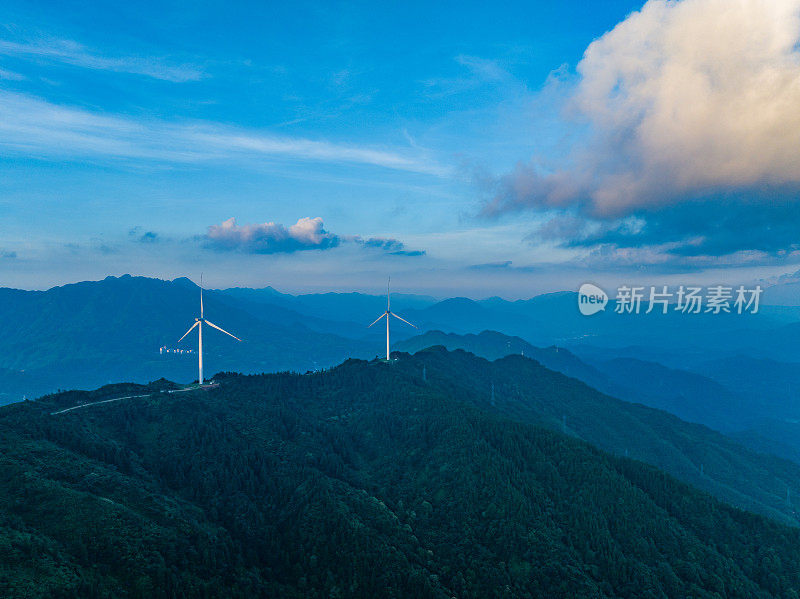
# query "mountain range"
(90, 333)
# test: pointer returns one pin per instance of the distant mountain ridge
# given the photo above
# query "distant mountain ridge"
(341, 307)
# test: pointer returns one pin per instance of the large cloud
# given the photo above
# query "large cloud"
(693, 108)
(695, 95)
(270, 238)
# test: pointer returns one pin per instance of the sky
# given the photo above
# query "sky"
(463, 148)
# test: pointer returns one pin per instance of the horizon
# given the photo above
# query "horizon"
(765, 300)
(362, 291)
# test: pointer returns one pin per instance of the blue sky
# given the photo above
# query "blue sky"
(464, 148)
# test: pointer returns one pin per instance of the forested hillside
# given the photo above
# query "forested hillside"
(369, 480)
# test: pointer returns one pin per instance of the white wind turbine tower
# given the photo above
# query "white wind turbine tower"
(387, 314)
(198, 322)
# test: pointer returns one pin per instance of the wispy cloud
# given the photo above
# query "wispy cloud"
(389, 245)
(33, 127)
(75, 54)
(492, 265)
(11, 75)
(250, 143)
(480, 72)
(138, 235)
(484, 69)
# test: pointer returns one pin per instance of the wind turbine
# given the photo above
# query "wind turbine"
(198, 322)
(387, 314)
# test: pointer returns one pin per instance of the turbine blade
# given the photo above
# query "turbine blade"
(211, 324)
(201, 295)
(388, 295)
(379, 317)
(404, 320)
(196, 322)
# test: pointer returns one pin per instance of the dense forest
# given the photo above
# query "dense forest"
(439, 475)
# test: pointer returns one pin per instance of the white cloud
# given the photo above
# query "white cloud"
(696, 94)
(692, 154)
(270, 238)
(274, 238)
(683, 98)
(33, 127)
(73, 53)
